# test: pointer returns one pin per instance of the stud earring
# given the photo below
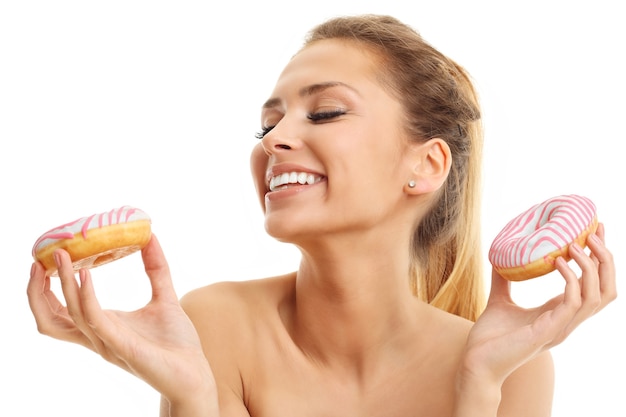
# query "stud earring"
(412, 184)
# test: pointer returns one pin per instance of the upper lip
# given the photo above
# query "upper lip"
(277, 170)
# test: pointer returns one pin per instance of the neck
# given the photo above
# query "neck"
(353, 302)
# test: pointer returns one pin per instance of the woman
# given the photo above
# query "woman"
(369, 163)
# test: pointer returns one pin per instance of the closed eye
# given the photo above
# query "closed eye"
(325, 115)
(314, 117)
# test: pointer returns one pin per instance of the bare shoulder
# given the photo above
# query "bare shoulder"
(457, 328)
(230, 317)
(226, 292)
(223, 304)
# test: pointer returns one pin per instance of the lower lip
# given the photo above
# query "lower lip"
(289, 191)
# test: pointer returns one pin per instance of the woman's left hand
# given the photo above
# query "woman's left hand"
(506, 336)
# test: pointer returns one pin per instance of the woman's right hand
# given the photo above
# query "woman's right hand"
(157, 343)
(507, 336)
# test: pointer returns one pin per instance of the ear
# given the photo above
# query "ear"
(432, 161)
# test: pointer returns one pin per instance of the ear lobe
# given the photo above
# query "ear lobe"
(433, 165)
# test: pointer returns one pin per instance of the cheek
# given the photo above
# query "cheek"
(258, 167)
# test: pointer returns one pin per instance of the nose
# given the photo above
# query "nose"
(279, 139)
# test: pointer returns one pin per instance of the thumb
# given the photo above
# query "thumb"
(500, 287)
(158, 271)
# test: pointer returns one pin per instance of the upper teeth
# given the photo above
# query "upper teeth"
(293, 178)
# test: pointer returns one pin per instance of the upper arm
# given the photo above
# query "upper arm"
(217, 312)
(529, 390)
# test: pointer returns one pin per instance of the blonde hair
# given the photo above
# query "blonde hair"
(440, 101)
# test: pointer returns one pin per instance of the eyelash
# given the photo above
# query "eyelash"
(264, 131)
(314, 117)
(325, 115)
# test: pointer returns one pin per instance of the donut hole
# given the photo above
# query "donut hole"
(105, 257)
(108, 257)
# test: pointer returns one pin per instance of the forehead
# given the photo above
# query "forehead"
(330, 60)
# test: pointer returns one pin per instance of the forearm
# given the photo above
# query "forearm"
(200, 407)
(476, 398)
(201, 401)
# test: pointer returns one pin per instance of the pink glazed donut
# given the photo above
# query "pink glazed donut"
(95, 240)
(528, 246)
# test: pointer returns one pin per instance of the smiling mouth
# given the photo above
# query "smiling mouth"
(284, 180)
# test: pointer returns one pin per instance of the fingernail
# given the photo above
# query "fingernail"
(595, 239)
(576, 247)
(57, 259)
(32, 270)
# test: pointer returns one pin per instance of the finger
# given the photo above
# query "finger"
(71, 292)
(69, 286)
(158, 271)
(590, 285)
(559, 321)
(572, 298)
(102, 332)
(90, 307)
(38, 292)
(599, 233)
(50, 315)
(53, 302)
(500, 288)
(115, 342)
(605, 267)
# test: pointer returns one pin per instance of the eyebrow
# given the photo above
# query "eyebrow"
(309, 90)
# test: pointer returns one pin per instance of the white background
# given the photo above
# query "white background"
(155, 104)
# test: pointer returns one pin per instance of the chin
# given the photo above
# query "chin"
(289, 231)
(280, 232)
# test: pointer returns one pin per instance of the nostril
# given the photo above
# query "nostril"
(282, 146)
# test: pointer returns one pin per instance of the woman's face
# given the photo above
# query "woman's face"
(332, 157)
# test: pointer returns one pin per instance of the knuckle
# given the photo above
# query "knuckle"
(575, 304)
(106, 355)
(43, 329)
(605, 256)
(75, 316)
